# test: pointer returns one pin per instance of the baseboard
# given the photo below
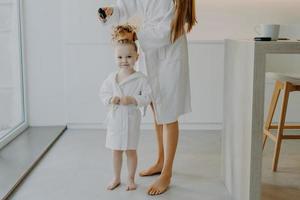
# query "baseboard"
(149, 126)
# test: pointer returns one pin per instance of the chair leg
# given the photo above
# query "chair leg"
(264, 141)
(281, 125)
(272, 108)
(276, 154)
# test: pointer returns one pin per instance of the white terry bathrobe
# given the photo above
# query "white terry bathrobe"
(123, 121)
(166, 64)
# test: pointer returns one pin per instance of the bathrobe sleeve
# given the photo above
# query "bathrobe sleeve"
(156, 35)
(144, 98)
(122, 11)
(106, 92)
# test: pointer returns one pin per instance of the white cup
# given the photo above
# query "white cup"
(268, 30)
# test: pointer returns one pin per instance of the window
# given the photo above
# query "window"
(12, 94)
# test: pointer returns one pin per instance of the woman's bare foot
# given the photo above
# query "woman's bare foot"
(130, 185)
(153, 170)
(114, 184)
(160, 185)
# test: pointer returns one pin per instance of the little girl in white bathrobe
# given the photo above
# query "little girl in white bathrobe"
(125, 92)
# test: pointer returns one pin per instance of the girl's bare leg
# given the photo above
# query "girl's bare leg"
(117, 164)
(131, 165)
(163, 181)
(158, 165)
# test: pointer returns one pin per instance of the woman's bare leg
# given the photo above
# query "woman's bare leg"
(117, 164)
(158, 165)
(163, 181)
(131, 165)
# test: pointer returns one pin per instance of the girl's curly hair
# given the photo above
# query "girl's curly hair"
(119, 31)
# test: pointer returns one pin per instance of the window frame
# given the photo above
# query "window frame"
(18, 129)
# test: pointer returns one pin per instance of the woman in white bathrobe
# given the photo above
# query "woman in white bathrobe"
(164, 55)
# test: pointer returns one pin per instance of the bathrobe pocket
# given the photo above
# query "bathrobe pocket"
(114, 122)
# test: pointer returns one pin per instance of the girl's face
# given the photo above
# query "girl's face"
(126, 56)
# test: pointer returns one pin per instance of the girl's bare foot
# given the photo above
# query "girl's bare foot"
(114, 184)
(153, 170)
(130, 185)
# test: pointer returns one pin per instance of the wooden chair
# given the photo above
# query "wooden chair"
(287, 83)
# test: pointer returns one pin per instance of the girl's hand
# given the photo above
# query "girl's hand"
(115, 100)
(127, 100)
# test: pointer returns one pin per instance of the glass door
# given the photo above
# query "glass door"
(13, 119)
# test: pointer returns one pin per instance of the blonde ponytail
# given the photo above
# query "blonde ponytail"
(184, 18)
(119, 32)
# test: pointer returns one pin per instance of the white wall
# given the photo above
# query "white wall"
(219, 19)
(68, 55)
(44, 62)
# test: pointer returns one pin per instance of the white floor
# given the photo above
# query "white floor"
(17, 157)
(79, 167)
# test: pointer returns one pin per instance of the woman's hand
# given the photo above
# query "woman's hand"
(115, 100)
(126, 100)
(108, 11)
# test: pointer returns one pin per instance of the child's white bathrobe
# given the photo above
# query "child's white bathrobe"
(166, 64)
(123, 121)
